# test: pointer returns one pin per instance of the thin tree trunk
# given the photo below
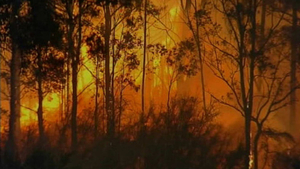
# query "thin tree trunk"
(121, 96)
(169, 97)
(74, 103)
(142, 117)
(110, 125)
(68, 87)
(65, 102)
(293, 65)
(259, 129)
(15, 70)
(103, 101)
(144, 62)
(71, 55)
(244, 95)
(252, 68)
(12, 142)
(262, 35)
(255, 148)
(199, 52)
(196, 34)
(75, 62)
(113, 77)
(263, 19)
(1, 157)
(96, 116)
(40, 98)
(62, 100)
(247, 138)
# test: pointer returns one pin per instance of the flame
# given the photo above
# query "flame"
(29, 108)
(52, 101)
(85, 75)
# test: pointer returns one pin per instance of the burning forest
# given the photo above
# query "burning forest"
(149, 84)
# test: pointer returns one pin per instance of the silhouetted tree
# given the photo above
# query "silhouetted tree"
(245, 55)
(44, 33)
(13, 23)
(72, 13)
(196, 16)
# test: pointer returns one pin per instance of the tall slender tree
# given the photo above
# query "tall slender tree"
(72, 13)
(15, 69)
(245, 52)
(193, 18)
(44, 33)
(144, 61)
(294, 62)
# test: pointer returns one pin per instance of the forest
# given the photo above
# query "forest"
(149, 84)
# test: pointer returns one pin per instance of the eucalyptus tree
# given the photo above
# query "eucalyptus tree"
(144, 63)
(44, 35)
(115, 14)
(195, 16)
(12, 22)
(291, 9)
(294, 60)
(125, 46)
(241, 56)
(71, 14)
(181, 59)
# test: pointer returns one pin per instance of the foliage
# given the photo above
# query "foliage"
(52, 71)
(185, 139)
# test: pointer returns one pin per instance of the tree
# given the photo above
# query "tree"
(181, 60)
(236, 61)
(14, 23)
(110, 10)
(44, 33)
(73, 21)
(196, 18)
(291, 8)
(294, 62)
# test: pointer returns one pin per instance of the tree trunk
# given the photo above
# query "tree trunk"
(121, 97)
(1, 157)
(74, 103)
(113, 78)
(110, 120)
(244, 98)
(262, 41)
(293, 65)
(15, 70)
(68, 88)
(71, 55)
(96, 115)
(142, 117)
(144, 61)
(247, 138)
(255, 148)
(14, 117)
(40, 98)
(75, 62)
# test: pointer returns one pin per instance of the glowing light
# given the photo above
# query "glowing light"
(162, 75)
(250, 155)
(85, 75)
(174, 12)
(51, 101)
